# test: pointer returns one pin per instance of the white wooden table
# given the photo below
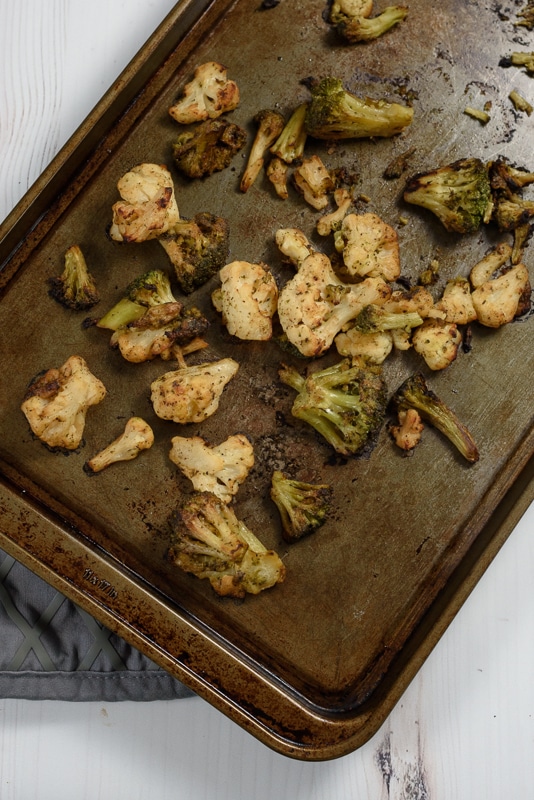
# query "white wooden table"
(464, 729)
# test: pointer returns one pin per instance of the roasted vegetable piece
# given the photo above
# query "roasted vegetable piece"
(220, 469)
(407, 434)
(510, 210)
(345, 404)
(365, 29)
(415, 393)
(270, 125)
(137, 436)
(277, 174)
(373, 318)
(291, 142)
(336, 113)
(364, 348)
(210, 94)
(519, 59)
(148, 207)
(457, 303)
(57, 401)
(315, 305)
(210, 542)
(313, 181)
(437, 341)
(158, 330)
(247, 300)
(150, 289)
(369, 246)
(343, 10)
(208, 147)
(191, 393)
(526, 16)
(501, 299)
(459, 194)
(75, 288)
(303, 507)
(332, 221)
(197, 249)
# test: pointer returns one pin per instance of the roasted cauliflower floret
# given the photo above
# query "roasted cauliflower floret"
(210, 542)
(416, 299)
(247, 300)
(489, 264)
(57, 401)
(276, 172)
(137, 436)
(208, 95)
(332, 221)
(369, 348)
(220, 469)
(148, 207)
(437, 342)
(191, 393)
(315, 305)
(313, 181)
(457, 303)
(369, 247)
(407, 434)
(499, 300)
(200, 150)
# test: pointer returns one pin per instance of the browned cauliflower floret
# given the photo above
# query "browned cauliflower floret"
(407, 434)
(313, 181)
(270, 125)
(315, 305)
(457, 303)
(137, 436)
(438, 342)
(490, 263)
(192, 393)
(369, 247)
(276, 171)
(417, 299)
(220, 469)
(207, 96)
(371, 348)
(56, 403)
(148, 207)
(247, 300)
(499, 300)
(332, 221)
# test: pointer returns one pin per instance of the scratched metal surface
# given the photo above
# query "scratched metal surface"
(329, 638)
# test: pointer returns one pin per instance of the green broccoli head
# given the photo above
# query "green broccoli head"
(335, 113)
(459, 194)
(210, 542)
(207, 147)
(151, 289)
(415, 393)
(197, 248)
(345, 404)
(373, 318)
(303, 507)
(75, 288)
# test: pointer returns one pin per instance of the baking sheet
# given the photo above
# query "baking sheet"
(312, 666)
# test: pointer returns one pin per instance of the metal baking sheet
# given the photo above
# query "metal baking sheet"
(313, 666)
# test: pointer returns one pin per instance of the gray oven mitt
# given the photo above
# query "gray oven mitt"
(50, 649)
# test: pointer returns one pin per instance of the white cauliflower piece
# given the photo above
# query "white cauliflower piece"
(220, 469)
(208, 95)
(313, 181)
(137, 436)
(293, 244)
(369, 247)
(372, 348)
(490, 263)
(438, 342)
(457, 303)
(499, 300)
(417, 299)
(332, 221)
(56, 403)
(191, 393)
(407, 434)
(148, 206)
(315, 305)
(247, 300)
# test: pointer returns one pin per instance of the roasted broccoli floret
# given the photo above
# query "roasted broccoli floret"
(56, 403)
(220, 469)
(336, 113)
(191, 393)
(345, 404)
(148, 206)
(150, 289)
(270, 125)
(75, 288)
(208, 147)
(510, 210)
(210, 94)
(365, 29)
(375, 318)
(291, 142)
(415, 393)
(210, 542)
(519, 59)
(303, 507)
(137, 436)
(197, 249)
(459, 194)
(526, 16)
